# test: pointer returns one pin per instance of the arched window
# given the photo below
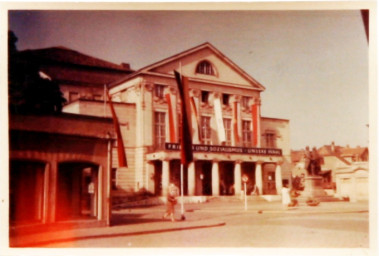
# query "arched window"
(205, 67)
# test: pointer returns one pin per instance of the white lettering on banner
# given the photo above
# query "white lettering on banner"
(227, 149)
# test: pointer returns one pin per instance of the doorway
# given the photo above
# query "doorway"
(26, 191)
(77, 191)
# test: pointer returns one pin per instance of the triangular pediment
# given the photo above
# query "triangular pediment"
(225, 71)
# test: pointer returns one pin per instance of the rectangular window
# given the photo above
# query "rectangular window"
(159, 91)
(246, 133)
(205, 130)
(225, 99)
(160, 129)
(228, 131)
(204, 96)
(245, 101)
(270, 139)
(73, 96)
(114, 178)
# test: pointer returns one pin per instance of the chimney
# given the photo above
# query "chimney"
(333, 147)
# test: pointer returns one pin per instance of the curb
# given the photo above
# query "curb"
(136, 233)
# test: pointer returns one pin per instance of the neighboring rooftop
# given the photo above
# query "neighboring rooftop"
(65, 55)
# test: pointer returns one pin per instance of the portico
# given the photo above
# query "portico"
(217, 174)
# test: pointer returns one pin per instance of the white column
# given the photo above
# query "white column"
(237, 178)
(191, 179)
(150, 182)
(278, 178)
(215, 179)
(165, 176)
(258, 177)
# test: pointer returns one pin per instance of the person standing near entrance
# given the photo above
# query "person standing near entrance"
(286, 198)
(172, 193)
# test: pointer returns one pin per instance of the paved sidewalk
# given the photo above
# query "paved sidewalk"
(148, 220)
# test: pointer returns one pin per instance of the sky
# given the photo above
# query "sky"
(313, 64)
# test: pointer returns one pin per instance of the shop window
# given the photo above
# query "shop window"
(246, 133)
(205, 130)
(205, 67)
(160, 129)
(228, 131)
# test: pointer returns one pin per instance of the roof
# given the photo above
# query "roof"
(218, 53)
(67, 124)
(65, 55)
(353, 151)
(327, 150)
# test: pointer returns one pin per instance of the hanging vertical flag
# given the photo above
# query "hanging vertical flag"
(186, 128)
(219, 120)
(120, 143)
(171, 119)
(196, 117)
(237, 122)
(256, 116)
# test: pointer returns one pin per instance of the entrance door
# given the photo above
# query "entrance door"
(77, 195)
(26, 185)
(227, 178)
(269, 185)
(203, 174)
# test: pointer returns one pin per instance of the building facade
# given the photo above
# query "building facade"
(230, 137)
(59, 171)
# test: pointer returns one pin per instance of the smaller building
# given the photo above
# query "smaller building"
(344, 170)
(352, 182)
(59, 171)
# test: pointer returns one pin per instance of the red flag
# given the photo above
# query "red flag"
(236, 122)
(255, 113)
(120, 143)
(186, 128)
(171, 121)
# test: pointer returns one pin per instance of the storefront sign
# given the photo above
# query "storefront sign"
(226, 149)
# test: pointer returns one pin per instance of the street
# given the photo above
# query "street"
(221, 224)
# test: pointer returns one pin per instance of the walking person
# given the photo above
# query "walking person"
(172, 193)
(286, 198)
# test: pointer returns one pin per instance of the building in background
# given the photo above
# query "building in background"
(344, 169)
(79, 76)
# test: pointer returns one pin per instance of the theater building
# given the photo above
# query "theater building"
(231, 139)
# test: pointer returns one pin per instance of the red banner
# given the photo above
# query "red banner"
(255, 113)
(186, 128)
(171, 120)
(120, 143)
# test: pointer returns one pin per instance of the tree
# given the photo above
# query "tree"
(28, 91)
